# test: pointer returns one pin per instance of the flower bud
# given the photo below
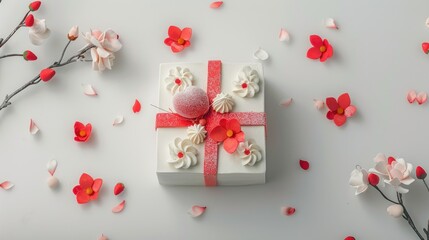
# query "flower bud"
(349, 238)
(29, 56)
(420, 173)
(29, 20)
(73, 33)
(373, 179)
(390, 160)
(395, 210)
(47, 74)
(34, 6)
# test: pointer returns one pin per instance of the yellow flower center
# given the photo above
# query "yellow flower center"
(181, 41)
(340, 111)
(229, 133)
(322, 49)
(82, 133)
(89, 191)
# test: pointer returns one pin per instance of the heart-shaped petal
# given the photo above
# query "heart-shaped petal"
(411, 96)
(33, 127)
(137, 106)
(119, 208)
(421, 98)
(286, 103)
(197, 211)
(425, 47)
(284, 35)
(52, 166)
(305, 165)
(118, 120)
(261, 54)
(6, 185)
(215, 5)
(330, 23)
(89, 90)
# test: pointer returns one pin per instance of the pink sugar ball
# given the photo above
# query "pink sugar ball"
(191, 103)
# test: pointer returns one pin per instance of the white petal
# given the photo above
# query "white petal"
(6, 185)
(118, 120)
(89, 90)
(197, 211)
(119, 207)
(33, 127)
(102, 237)
(52, 166)
(287, 102)
(284, 35)
(330, 23)
(427, 22)
(261, 54)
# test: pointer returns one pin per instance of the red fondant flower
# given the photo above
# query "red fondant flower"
(178, 39)
(82, 132)
(321, 48)
(88, 188)
(340, 110)
(229, 132)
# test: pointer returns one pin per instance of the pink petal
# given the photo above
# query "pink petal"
(215, 5)
(421, 97)
(350, 111)
(52, 166)
(305, 165)
(82, 197)
(119, 207)
(288, 211)
(330, 23)
(98, 182)
(230, 145)
(186, 34)
(33, 127)
(318, 104)
(137, 106)
(102, 237)
(197, 211)
(89, 90)
(339, 120)
(6, 185)
(286, 102)
(284, 35)
(411, 96)
(118, 120)
(176, 47)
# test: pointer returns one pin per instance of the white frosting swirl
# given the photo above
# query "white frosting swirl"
(197, 133)
(249, 153)
(183, 154)
(223, 103)
(247, 84)
(178, 79)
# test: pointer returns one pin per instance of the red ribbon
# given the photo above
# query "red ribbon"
(171, 120)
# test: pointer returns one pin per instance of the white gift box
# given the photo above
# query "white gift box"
(230, 170)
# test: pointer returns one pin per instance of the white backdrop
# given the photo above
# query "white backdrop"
(377, 59)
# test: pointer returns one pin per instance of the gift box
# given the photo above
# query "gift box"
(212, 126)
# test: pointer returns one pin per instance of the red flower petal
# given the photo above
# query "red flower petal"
(339, 120)
(6, 185)
(186, 34)
(197, 211)
(421, 98)
(77, 189)
(119, 207)
(218, 134)
(411, 96)
(349, 238)
(233, 125)
(82, 197)
(344, 100)
(330, 115)
(98, 182)
(314, 53)
(215, 5)
(47, 74)
(329, 51)
(240, 136)
(350, 111)
(34, 6)
(230, 145)
(168, 41)
(85, 181)
(29, 20)
(119, 188)
(187, 44)
(305, 165)
(174, 32)
(223, 122)
(177, 47)
(332, 103)
(420, 173)
(425, 47)
(94, 196)
(137, 106)
(316, 41)
(288, 211)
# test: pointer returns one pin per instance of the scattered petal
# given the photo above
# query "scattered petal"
(197, 211)
(421, 98)
(350, 238)
(286, 102)
(137, 106)
(89, 90)
(288, 211)
(6, 185)
(102, 237)
(425, 47)
(118, 120)
(284, 35)
(215, 5)
(411, 96)
(305, 165)
(318, 104)
(427, 22)
(118, 189)
(261, 54)
(52, 166)
(33, 127)
(330, 23)
(119, 207)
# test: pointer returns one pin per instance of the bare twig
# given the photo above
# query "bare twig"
(408, 216)
(12, 55)
(3, 42)
(384, 196)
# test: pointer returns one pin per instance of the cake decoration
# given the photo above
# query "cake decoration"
(88, 188)
(118, 120)
(118, 189)
(261, 54)
(178, 80)
(34, 129)
(284, 35)
(229, 133)
(191, 103)
(197, 133)
(137, 106)
(249, 153)
(318, 104)
(286, 103)
(321, 49)
(216, 4)
(183, 154)
(425, 47)
(6, 185)
(223, 103)
(197, 211)
(340, 110)
(178, 39)
(247, 84)
(330, 23)
(288, 211)
(420, 98)
(119, 208)
(82, 132)
(304, 164)
(89, 90)
(52, 180)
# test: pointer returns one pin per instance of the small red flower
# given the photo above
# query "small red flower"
(321, 48)
(420, 173)
(425, 47)
(47, 74)
(373, 179)
(29, 20)
(82, 132)
(29, 56)
(229, 132)
(178, 39)
(88, 188)
(34, 6)
(340, 110)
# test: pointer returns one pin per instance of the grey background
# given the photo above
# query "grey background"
(377, 59)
